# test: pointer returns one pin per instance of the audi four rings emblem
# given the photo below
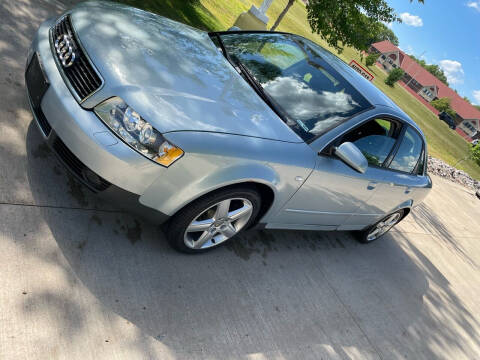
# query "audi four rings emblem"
(64, 46)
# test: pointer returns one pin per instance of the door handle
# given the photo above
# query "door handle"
(394, 184)
(372, 185)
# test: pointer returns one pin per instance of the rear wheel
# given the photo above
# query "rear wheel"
(380, 228)
(212, 220)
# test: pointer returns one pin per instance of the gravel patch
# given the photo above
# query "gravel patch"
(440, 168)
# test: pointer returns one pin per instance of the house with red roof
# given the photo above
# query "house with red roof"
(427, 87)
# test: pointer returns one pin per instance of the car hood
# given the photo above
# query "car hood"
(171, 74)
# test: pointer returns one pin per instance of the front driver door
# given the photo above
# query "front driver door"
(335, 192)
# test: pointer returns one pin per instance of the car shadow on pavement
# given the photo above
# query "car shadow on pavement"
(268, 292)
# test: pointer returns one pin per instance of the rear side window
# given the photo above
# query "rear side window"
(409, 152)
(421, 165)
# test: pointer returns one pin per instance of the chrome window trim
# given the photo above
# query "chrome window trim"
(85, 53)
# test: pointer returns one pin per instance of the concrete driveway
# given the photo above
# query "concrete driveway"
(82, 280)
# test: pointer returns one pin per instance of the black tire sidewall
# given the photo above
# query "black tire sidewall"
(182, 219)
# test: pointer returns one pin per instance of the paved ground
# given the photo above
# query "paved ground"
(81, 280)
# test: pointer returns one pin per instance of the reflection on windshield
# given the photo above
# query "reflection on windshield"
(303, 103)
(292, 71)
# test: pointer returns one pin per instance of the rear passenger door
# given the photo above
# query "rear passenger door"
(404, 172)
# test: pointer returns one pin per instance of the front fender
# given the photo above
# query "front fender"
(172, 194)
(213, 161)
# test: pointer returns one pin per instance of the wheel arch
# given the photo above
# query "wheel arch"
(180, 194)
(266, 193)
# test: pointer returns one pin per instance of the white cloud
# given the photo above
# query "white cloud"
(411, 20)
(453, 70)
(476, 97)
(475, 4)
(389, 25)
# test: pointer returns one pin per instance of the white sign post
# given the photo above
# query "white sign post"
(261, 12)
(265, 5)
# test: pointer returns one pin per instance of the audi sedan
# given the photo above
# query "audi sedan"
(213, 133)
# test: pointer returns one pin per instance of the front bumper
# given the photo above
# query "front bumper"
(84, 144)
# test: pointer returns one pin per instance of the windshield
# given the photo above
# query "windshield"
(292, 71)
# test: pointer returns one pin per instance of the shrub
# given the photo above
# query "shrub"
(443, 104)
(394, 76)
(371, 59)
(475, 153)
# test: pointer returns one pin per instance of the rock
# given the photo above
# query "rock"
(440, 168)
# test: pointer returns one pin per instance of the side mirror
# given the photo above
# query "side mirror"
(352, 156)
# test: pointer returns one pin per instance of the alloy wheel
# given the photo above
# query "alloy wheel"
(218, 223)
(383, 226)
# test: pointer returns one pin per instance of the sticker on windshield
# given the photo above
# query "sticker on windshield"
(302, 125)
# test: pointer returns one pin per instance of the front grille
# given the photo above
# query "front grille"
(81, 75)
(83, 173)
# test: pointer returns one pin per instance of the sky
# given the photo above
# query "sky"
(446, 33)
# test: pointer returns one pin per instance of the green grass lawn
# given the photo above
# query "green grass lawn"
(443, 143)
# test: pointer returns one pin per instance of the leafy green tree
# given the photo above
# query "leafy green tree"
(349, 22)
(477, 107)
(394, 75)
(371, 59)
(433, 69)
(443, 104)
(467, 99)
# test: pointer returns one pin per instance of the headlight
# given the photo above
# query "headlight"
(136, 132)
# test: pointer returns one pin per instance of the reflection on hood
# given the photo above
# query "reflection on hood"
(303, 103)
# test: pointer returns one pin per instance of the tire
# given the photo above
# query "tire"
(204, 224)
(365, 236)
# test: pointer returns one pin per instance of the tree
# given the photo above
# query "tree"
(349, 22)
(382, 32)
(394, 75)
(346, 22)
(443, 104)
(371, 59)
(467, 99)
(282, 14)
(477, 107)
(433, 69)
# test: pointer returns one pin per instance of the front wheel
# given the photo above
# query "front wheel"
(213, 219)
(380, 228)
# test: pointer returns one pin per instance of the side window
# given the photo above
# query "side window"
(375, 139)
(409, 152)
(421, 164)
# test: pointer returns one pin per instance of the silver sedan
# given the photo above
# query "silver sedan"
(213, 133)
